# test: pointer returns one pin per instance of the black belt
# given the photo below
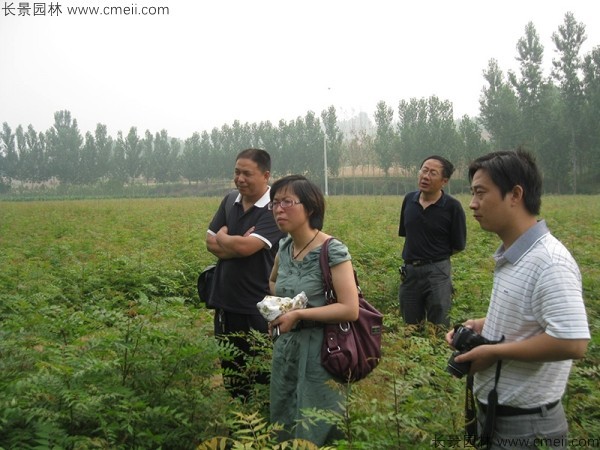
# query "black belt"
(424, 262)
(303, 324)
(504, 410)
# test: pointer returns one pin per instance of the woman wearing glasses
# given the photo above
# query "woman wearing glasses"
(298, 381)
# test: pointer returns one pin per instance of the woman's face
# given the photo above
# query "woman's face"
(288, 211)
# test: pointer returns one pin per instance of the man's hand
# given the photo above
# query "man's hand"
(480, 357)
(474, 324)
(226, 246)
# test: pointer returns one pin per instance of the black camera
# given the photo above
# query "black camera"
(463, 340)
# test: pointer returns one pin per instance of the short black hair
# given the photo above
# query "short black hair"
(309, 195)
(259, 156)
(447, 166)
(510, 168)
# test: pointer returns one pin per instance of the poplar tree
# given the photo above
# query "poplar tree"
(64, 141)
(591, 113)
(334, 138)
(499, 111)
(385, 137)
(567, 68)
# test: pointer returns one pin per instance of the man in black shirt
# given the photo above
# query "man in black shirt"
(434, 226)
(245, 238)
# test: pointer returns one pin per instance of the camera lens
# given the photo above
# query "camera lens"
(459, 338)
(457, 369)
(465, 339)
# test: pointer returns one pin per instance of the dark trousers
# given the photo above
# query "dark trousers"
(242, 369)
(426, 293)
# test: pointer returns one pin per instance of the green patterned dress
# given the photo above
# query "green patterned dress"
(298, 381)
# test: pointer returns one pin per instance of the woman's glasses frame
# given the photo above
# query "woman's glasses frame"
(285, 204)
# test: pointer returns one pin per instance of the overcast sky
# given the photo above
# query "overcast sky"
(208, 63)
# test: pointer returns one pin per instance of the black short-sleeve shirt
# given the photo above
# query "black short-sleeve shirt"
(240, 283)
(435, 232)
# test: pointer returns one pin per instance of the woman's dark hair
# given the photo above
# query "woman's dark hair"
(510, 168)
(259, 156)
(447, 166)
(309, 195)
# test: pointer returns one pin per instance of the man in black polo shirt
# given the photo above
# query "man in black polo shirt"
(245, 238)
(434, 226)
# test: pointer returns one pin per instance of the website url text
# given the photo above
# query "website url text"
(26, 9)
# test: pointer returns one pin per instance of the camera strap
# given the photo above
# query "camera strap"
(471, 434)
(490, 415)
(470, 413)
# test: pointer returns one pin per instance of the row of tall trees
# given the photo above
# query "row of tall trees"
(63, 154)
(556, 116)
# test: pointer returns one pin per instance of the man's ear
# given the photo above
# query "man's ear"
(517, 193)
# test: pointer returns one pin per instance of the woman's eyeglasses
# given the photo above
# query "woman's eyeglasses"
(285, 204)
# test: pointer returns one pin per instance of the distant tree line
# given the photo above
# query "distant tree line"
(556, 117)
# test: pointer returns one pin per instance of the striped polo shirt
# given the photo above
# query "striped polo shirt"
(537, 288)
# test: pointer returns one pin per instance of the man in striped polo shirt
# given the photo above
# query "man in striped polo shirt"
(536, 306)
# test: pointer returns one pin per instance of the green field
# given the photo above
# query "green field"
(101, 345)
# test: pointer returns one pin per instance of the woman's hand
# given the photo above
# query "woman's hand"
(285, 322)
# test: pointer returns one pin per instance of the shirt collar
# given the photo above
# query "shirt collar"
(265, 199)
(523, 244)
(262, 202)
(441, 201)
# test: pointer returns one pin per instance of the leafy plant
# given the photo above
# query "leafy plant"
(102, 347)
(251, 431)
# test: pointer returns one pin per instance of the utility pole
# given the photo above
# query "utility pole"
(325, 162)
(325, 168)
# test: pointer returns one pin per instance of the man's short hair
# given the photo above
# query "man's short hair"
(447, 166)
(259, 156)
(510, 168)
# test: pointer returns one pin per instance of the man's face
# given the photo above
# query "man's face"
(431, 177)
(489, 208)
(249, 179)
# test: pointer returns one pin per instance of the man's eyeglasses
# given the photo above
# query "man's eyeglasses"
(431, 173)
(285, 204)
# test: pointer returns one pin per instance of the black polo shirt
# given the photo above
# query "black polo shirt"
(240, 283)
(433, 233)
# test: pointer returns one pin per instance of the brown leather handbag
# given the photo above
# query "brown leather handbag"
(351, 350)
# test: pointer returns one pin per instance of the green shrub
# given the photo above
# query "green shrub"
(102, 347)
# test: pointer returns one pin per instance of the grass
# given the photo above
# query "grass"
(95, 294)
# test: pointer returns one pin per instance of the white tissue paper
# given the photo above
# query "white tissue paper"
(272, 307)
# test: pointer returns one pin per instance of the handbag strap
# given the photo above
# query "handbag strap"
(330, 296)
(326, 271)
